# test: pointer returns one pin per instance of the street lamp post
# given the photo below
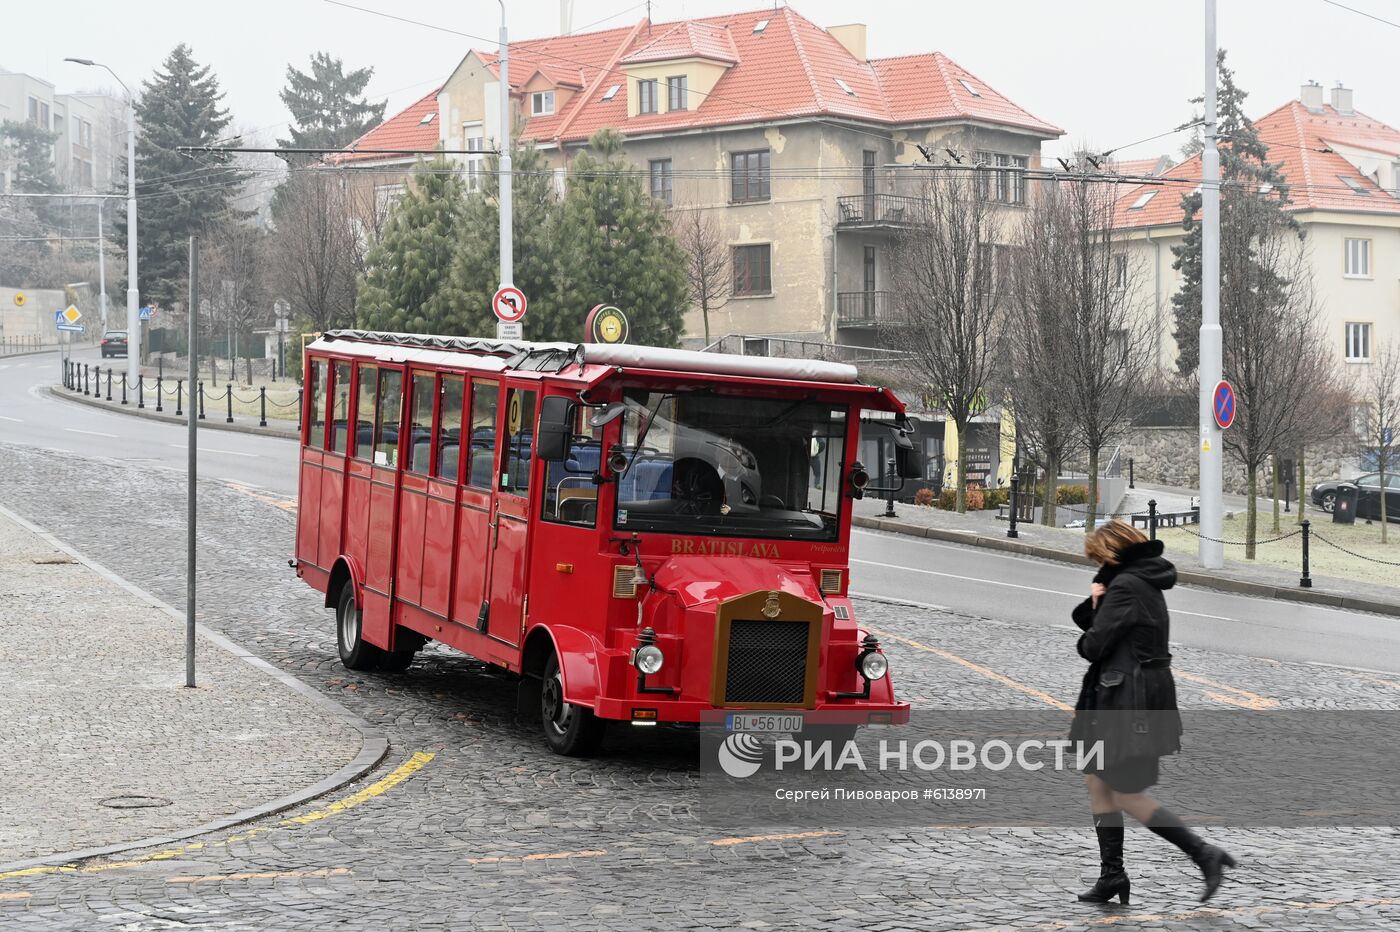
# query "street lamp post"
(133, 320)
(1211, 552)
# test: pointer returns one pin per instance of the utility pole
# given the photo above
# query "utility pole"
(133, 317)
(1211, 553)
(102, 272)
(192, 463)
(504, 164)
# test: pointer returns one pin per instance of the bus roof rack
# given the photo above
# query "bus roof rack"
(545, 357)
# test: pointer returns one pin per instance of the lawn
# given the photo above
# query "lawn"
(1324, 560)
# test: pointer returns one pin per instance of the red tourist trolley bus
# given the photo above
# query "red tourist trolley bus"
(643, 534)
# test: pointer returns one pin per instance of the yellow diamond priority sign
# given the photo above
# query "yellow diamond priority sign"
(72, 314)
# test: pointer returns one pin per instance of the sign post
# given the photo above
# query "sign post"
(509, 304)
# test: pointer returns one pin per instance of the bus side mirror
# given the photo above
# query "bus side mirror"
(907, 464)
(556, 431)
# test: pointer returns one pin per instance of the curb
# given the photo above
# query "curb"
(116, 407)
(375, 745)
(1188, 577)
(37, 352)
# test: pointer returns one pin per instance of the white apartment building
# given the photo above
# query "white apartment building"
(91, 130)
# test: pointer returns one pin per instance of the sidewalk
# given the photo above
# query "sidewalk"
(104, 746)
(983, 529)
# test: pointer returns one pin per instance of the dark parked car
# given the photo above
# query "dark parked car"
(1368, 495)
(114, 343)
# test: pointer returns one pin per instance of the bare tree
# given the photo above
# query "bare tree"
(1381, 415)
(708, 270)
(317, 251)
(1106, 345)
(948, 316)
(233, 278)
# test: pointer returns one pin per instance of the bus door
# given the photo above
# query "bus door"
(375, 472)
(414, 492)
(511, 516)
(330, 521)
(474, 513)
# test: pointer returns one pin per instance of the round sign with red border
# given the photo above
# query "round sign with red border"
(1223, 404)
(508, 304)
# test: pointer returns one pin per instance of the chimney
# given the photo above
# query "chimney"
(852, 36)
(1341, 98)
(566, 17)
(1311, 96)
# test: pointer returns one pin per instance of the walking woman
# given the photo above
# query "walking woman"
(1128, 701)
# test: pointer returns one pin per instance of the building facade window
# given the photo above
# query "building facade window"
(749, 176)
(660, 171)
(1358, 258)
(1358, 348)
(1120, 271)
(541, 103)
(474, 140)
(646, 96)
(753, 270)
(677, 97)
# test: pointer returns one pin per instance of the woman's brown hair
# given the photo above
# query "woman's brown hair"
(1107, 542)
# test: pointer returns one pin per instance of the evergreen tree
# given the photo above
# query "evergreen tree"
(30, 148)
(405, 286)
(181, 195)
(476, 266)
(615, 248)
(328, 106)
(1250, 186)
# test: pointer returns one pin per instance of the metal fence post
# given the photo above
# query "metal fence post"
(123, 388)
(201, 401)
(1152, 518)
(179, 397)
(1306, 581)
(1132, 482)
(228, 395)
(140, 391)
(262, 404)
(85, 378)
(109, 383)
(1011, 528)
(160, 393)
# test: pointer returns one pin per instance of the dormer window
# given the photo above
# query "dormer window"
(676, 96)
(541, 103)
(646, 96)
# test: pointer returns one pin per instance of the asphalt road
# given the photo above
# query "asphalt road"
(964, 580)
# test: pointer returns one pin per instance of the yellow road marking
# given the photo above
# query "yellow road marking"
(286, 504)
(544, 856)
(1372, 679)
(783, 837)
(14, 896)
(405, 770)
(1237, 697)
(262, 875)
(978, 668)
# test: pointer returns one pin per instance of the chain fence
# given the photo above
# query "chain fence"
(94, 381)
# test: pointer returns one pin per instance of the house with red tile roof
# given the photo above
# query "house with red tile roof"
(787, 133)
(1343, 174)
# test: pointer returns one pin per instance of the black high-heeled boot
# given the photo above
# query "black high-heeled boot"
(1113, 879)
(1211, 860)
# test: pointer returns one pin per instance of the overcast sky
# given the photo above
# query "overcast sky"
(1107, 72)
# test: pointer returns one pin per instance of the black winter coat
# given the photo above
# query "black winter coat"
(1128, 698)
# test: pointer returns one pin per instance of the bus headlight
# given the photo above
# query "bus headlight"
(648, 659)
(872, 664)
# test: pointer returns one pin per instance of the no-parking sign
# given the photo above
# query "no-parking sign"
(1223, 404)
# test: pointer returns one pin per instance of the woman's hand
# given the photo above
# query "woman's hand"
(1096, 592)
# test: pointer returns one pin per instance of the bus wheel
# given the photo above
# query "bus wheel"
(354, 652)
(568, 729)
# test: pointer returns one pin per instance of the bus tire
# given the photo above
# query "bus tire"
(355, 653)
(397, 661)
(570, 730)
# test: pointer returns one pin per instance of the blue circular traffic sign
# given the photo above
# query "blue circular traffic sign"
(1223, 404)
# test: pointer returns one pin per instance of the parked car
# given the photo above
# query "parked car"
(114, 343)
(1368, 495)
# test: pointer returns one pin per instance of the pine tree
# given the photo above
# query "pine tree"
(180, 195)
(404, 289)
(30, 148)
(615, 248)
(476, 267)
(328, 106)
(1245, 173)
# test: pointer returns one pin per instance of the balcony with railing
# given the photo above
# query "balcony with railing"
(859, 211)
(863, 308)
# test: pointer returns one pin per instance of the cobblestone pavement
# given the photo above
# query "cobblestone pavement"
(95, 709)
(471, 823)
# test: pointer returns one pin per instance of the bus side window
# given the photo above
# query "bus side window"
(316, 406)
(340, 408)
(569, 494)
(520, 433)
(386, 421)
(449, 432)
(420, 425)
(481, 463)
(364, 413)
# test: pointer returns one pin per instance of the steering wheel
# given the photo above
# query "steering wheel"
(696, 488)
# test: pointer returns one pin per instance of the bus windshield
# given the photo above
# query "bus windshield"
(701, 463)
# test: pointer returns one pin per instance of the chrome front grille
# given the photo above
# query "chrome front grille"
(767, 662)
